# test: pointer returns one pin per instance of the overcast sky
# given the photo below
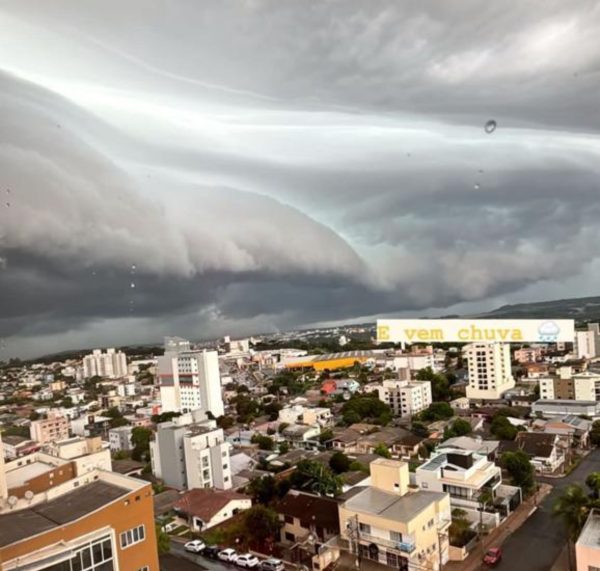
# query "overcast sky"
(219, 167)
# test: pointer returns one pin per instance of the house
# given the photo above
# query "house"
(460, 403)
(587, 546)
(203, 508)
(543, 450)
(407, 445)
(17, 446)
(463, 474)
(328, 387)
(301, 436)
(488, 448)
(392, 525)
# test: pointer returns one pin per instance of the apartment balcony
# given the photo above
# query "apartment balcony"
(406, 546)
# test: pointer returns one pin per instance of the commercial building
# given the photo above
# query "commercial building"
(110, 365)
(189, 380)
(331, 361)
(98, 521)
(587, 547)
(580, 387)
(405, 398)
(489, 370)
(552, 408)
(54, 427)
(388, 523)
(188, 452)
(120, 438)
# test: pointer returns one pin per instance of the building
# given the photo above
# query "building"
(331, 361)
(189, 380)
(551, 408)
(556, 388)
(543, 450)
(388, 523)
(98, 521)
(54, 427)
(120, 438)
(464, 474)
(580, 387)
(320, 416)
(190, 453)
(17, 446)
(414, 361)
(110, 365)
(405, 398)
(87, 454)
(202, 509)
(587, 547)
(91, 425)
(489, 369)
(529, 354)
(586, 343)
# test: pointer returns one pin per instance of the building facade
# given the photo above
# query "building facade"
(587, 547)
(110, 365)
(191, 454)
(405, 398)
(45, 430)
(489, 369)
(120, 438)
(190, 380)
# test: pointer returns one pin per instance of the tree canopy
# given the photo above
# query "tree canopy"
(437, 411)
(359, 408)
(339, 462)
(520, 469)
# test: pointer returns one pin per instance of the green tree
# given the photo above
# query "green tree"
(34, 415)
(520, 469)
(361, 407)
(440, 386)
(163, 541)
(140, 439)
(225, 422)
(595, 433)
(264, 442)
(573, 507)
(316, 477)
(382, 450)
(326, 435)
(261, 524)
(437, 411)
(460, 427)
(460, 531)
(284, 448)
(339, 462)
(266, 489)
(502, 428)
(593, 483)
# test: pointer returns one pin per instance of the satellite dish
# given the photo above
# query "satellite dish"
(29, 495)
(12, 500)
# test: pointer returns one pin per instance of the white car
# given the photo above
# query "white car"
(247, 560)
(228, 555)
(195, 546)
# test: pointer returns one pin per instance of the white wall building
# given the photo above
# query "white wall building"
(405, 398)
(189, 454)
(585, 344)
(190, 380)
(120, 438)
(414, 362)
(110, 365)
(489, 369)
(587, 386)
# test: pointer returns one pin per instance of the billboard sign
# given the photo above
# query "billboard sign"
(473, 330)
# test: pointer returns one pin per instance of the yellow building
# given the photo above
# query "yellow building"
(399, 527)
(330, 361)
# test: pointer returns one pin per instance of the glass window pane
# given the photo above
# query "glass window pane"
(107, 549)
(97, 553)
(142, 535)
(86, 558)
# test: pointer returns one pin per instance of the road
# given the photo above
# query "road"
(538, 542)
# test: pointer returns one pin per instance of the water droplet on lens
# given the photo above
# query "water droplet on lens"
(133, 267)
(8, 205)
(132, 285)
(490, 126)
(476, 186)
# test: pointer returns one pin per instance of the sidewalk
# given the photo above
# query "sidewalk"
(501, 533)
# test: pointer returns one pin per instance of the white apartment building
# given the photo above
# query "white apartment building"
(44, 430)
(414, 362)
(489, 370)
(110, 365)
(120, 438)
(127, 389)
(190, 380)
(298, 414)
(190, 454)
(587, 343)
(405, 398)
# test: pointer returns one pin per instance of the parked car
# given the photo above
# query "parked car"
(195, 546)
(272, 565)
(493, 556)
(229, 555)
(247, 560)
(211, 551)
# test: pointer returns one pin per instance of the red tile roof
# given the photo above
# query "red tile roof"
(206, 503)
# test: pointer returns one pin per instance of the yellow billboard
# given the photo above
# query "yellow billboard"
(473, 330)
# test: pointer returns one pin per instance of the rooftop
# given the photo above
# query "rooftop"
(205, 503)
(590, 534)
(392, 506)
(22, 524)
(310, 508)
(22, 474)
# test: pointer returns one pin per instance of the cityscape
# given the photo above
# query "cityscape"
(299, 286)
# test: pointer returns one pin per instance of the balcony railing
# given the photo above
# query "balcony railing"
(404, 546)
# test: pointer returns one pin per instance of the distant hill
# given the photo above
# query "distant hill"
(581, 309)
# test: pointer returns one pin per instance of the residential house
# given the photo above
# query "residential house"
(302, 436)
(17, 446)
(388, 523)
(488, 448)
(203, 508)
(544, 450)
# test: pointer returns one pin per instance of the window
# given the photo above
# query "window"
(144, 568)
(289, 519)
(132, 536)
(396, 536)
(364, 528)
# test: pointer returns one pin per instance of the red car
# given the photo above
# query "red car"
(492, 556)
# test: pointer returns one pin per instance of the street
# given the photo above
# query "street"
(538, 542)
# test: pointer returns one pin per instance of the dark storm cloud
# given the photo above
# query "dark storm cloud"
(267, 164)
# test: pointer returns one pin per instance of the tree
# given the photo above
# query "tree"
(339, 462)
(261, 525)
(440, 386)
(225, 422)
(595, 433)
(382, 450)
(520, 469)
(284, 448)
(502, 428)
(326, 435)
(593, 483)
(163, 541)
(119, 421)
(282, 426)
(140, 439)
(266, 489)
(264, 442)
(164, 417)
(460, 532)
(316, 477)
(460, 427)
(437, 411)
(361, 407)
(573, 507)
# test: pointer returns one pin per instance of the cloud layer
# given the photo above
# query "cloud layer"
(173, 168)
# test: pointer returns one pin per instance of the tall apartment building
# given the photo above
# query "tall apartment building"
(189, 380)
(111, 365)
(98, 521)
(187, 453)
(580, 387)
(390, 524)
(489, 370)
(405, 398)
(50, 429)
